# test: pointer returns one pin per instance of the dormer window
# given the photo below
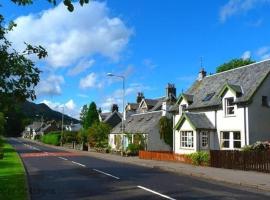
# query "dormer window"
(229, 106)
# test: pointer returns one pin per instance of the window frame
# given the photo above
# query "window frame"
(226, 106)
(231, 140)
(204, 137)
(186, 140)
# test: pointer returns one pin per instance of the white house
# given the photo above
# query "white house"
(142, 118)
(227, 110)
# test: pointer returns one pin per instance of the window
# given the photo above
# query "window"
(231, 139)
(204, 139)
(209, 96)
(236, 140)
(229, 106)
(186, 139)
(225, 139)
(264, 101)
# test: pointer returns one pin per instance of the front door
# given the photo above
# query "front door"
(204, 140)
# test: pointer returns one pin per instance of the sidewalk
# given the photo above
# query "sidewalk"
(245, 178)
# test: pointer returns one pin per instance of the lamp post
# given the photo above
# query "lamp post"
(123, 128)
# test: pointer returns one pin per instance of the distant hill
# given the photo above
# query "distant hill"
(35, 111)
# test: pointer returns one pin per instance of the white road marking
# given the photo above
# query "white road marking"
(32, 147)
(78, 163)
(106, 174)
(154, 192)
(62, 158)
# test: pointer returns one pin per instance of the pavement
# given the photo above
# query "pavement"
(257, 180)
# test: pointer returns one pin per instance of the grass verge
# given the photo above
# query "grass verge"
(12, 175)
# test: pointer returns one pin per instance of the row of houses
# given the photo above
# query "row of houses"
(226, 110)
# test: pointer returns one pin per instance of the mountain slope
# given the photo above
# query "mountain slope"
(36, 111)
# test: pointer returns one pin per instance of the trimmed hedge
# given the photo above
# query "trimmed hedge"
(52, 138)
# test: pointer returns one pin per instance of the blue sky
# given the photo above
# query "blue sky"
(151, 42)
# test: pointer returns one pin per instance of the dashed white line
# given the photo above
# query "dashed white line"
(62, 158)
(154, 192)
(107, 174)
(78, 163)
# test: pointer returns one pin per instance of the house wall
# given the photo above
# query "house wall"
(111, 141)
(259, 116)
(185, 127)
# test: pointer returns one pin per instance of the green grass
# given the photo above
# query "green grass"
(12, 175)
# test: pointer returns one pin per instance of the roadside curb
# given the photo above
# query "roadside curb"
(146, 163)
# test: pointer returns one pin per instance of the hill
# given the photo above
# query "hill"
(36, 111)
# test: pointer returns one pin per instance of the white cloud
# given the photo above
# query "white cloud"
(81, 67)
(234, 7)
(50, 85)
(70, 108)
(68, 37)
(90, 81)
(246, 55)
(263, 53)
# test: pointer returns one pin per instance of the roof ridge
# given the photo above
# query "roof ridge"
(237, 68)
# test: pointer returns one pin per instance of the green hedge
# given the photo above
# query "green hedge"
(199, 158)
(52, 138)
(1, 148)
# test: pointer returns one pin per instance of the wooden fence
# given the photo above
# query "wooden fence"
(163, 156)
(255, 161)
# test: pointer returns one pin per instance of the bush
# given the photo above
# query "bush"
(133, 149)
(258, 147)
(199, 158)
(70, 136)
(52, 138)
(37, 137)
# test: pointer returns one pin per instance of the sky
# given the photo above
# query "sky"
(151, 43)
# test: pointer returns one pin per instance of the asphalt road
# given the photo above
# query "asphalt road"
(54, 174)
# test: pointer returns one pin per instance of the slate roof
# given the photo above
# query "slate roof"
(113, 119)
(140, 123)
(105, 115)
(197, 120)
(133, 106)
(247, 78)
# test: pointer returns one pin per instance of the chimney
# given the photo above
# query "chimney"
(201, 75)
(99, 110)
(114, 107)
(170, 91)
(140, 96)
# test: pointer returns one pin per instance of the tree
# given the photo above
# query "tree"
(98, 134)
(18, 74)
(83, 115)
(67, 3)
(234, 63)
(92, 116)
(2, 123)
(166, 130)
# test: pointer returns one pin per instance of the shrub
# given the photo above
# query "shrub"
(258, 147)
(133, 149)
(70, 136)
(52, 138)
(37, 137)
(199, 158)
(1, 148)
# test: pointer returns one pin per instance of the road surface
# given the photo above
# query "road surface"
(55, 174)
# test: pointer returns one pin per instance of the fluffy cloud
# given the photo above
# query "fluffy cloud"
(234, 7)
(81, 67)
(90, 81)
(50, 85)
(70, 108)
(246, 55)
(69, 37)
(263, 53)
